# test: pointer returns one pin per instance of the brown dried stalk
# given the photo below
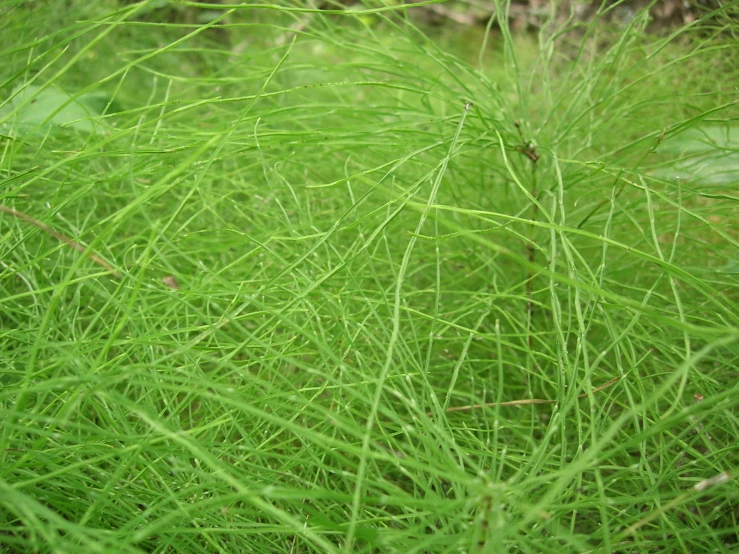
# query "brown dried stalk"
(524, 402)
(57, 235)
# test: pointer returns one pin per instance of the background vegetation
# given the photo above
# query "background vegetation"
(322, 278)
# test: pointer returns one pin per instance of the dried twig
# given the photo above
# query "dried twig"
(57, 235)
(457, 17)
(524, 402)
(698, 488)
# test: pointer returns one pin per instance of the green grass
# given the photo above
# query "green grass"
(357, 250)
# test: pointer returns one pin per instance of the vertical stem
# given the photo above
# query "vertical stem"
(532, 252)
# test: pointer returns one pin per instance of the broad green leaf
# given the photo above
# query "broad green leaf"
(708, 155)
(33, 110)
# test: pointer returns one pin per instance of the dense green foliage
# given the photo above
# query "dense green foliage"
(250, 259)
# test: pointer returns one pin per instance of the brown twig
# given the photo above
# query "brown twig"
(528, 148)
(529, 152)
(720, 479)
(57, 235)
(457, 17)
(524, 402)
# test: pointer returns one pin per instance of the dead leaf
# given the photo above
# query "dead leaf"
(171, 282)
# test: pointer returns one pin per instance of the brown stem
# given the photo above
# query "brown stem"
(524, 402)
(57, 235)
(531, 250)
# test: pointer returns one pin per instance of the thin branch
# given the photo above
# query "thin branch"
(457, 17)
(720, 479)
(57, 235)
(524, 402)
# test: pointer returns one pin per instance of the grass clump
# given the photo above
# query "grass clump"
(366, 295)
